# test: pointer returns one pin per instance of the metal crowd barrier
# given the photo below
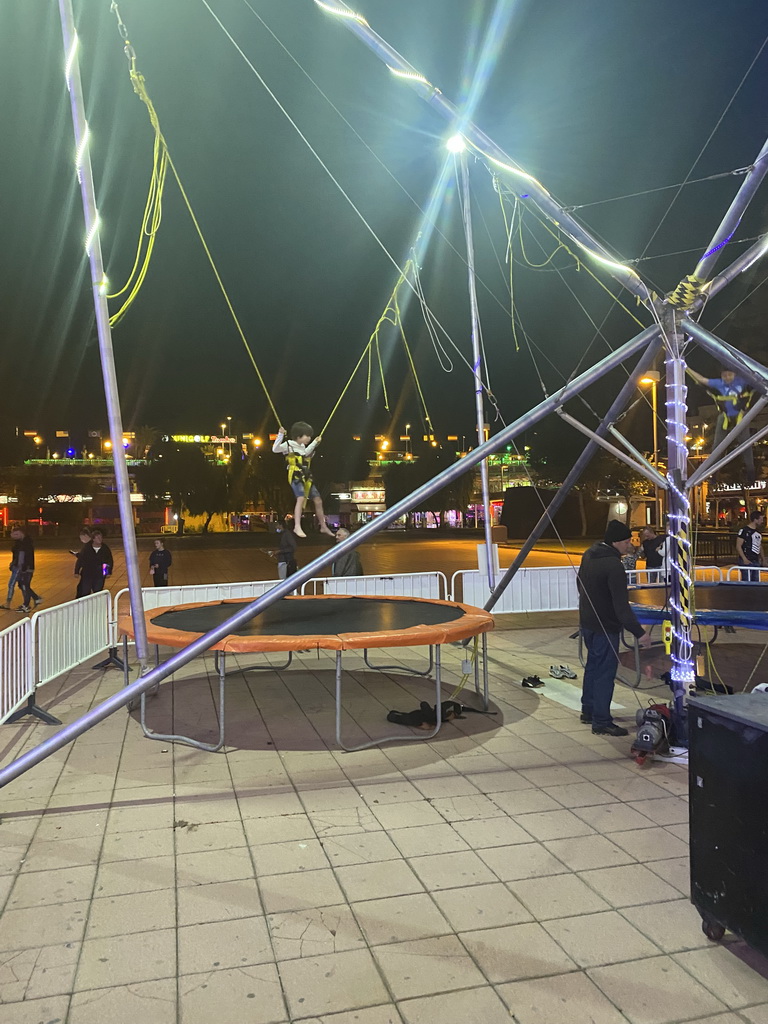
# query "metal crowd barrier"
(17, 677)
(433, 585)
(738, 574)
(650, 577)
(547, 589)
(68, 634)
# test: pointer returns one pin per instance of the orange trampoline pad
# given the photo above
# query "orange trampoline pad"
(456, 622)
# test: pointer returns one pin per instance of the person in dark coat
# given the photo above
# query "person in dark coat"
(85, 539)
(94, 564)
(160, 562)
(604, 612)
(23, 562)
(286, 553)
(348, 564)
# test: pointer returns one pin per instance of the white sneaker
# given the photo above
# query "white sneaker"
(566, 672)
(556, 671)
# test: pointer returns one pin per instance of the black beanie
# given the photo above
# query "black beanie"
(616, 530)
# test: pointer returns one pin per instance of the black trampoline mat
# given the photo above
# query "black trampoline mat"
(739, 597)
(307, 617)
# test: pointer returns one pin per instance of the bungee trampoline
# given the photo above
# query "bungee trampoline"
(720, 605)
(315, 623)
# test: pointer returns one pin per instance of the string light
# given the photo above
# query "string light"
(409, 76)
(71, 60)
(92, 234)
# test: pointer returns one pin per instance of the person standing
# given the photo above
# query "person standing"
(348, 564)
(85, 539)
(650, 544)
(160, 562)
(286, 553)
(749, 547)
(23, 558)
(94, 564)
(604, 612)
(11, 586)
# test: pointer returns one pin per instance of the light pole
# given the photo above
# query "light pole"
(408, 449)
(653, 377)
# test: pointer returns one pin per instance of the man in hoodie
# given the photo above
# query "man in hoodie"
(604, 612)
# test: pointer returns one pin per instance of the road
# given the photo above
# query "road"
(233, 558)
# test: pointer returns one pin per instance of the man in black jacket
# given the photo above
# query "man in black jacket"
(603, 613)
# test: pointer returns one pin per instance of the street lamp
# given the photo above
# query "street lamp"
(653, 377)
(408, 439)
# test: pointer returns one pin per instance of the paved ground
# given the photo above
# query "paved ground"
(246, 558)
(515, 870)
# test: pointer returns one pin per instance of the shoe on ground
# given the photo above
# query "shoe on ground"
(38, 600)
(532, 682)
(556, 671)
(22, 609)
(566, 672)
(609, 730)
(5, 607)
(586, 719)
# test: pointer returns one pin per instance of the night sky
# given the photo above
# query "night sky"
(597, 98)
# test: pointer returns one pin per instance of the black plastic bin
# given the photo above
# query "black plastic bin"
(728, 739)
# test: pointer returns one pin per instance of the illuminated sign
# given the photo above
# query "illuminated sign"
(192, 438)
(6, 499)
(368, 495)
(65, 499)
(222, 440)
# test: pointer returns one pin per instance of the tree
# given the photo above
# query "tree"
(401, 479)
(182, 472)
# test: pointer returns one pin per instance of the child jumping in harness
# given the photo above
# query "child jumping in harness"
(298, 449)
(733, 396)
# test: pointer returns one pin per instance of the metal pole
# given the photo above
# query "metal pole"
(651, 338)
(735, 212)
(645, 470)
(528, 187)
(683, 673)
(655, 411)
(477, 361)
(751, 369)
(128, 694)
(744, 262)
(99, 287)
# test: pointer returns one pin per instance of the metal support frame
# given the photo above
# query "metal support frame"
(746, 365)
(644, 468)
(402, 668)
(211, 748)
(35, 711)
(720, 456)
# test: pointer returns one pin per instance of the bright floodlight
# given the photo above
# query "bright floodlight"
(456, 144)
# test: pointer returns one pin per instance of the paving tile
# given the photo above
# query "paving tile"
(270, 805)
(607, 818)
(59, 923)
(387, 1014)
(491, 832)
(213, 866)
(141, 817)
(647, 844)
(345, 822)
(68, 826)
(721, 969)
(565, 999)
(481, 906)
(38, 973)
(524, 801)
(756, 1014)
(557, 896)
(314, 931)
(515, 952)
(451, 870)
(466, 808)
(579, 794)
(558, 824)
(558, 775)
(400, 918)
(35, 1011)
(118, 878)
(282, 829)
(125, 959)
(526, 860)
(40, 888)
(297, 855)
(676, 871)
(51, 855)
(629, 885)
(338, 981)
(224, 944)
(218, 901)
(631, 789)
(407, 815)
(147, 1002)
(498, 782)
(446, 786)
(232, 996)
(428, 839)
(377, 881)
(425, 966)
(582, 852)
(139, 845)
(593, 940)
(654, 991)
(301, 890)
(474, 1004)
(199, 838)
(673, 926)
(137, 912)
(670, 811)
(389, 792)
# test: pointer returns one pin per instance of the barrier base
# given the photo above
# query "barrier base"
(37, 712)
(111, 661)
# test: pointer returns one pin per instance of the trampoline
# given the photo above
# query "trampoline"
(729, 604)
(320, 622)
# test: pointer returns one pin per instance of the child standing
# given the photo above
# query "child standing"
(298, 448)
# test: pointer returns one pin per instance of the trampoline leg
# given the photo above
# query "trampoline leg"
(435, 660)
(220, 662)
(402, 668)
(270, 668)
(476, 660)
(484, 647)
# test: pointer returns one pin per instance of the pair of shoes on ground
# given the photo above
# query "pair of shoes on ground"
(532, 682)
(561, 672)
(612, 729)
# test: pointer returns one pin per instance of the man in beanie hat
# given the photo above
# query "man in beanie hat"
(603, 612)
